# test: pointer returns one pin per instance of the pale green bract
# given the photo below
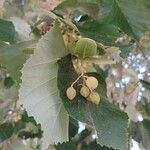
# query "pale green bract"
(85, 47)
(39, 93)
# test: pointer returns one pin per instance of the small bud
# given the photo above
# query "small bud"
(85, 91)
(71, 93)
(94, 98)
(91, 83)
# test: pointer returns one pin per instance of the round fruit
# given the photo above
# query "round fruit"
(85, 47)
(94, 97)
(71, 93)
(91, 83)
(85, 91)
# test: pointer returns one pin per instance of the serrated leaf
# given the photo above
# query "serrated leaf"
(95, 146)
(7, 31)
(110, 123)
(6, 131)
(39, 93)
(74, 146)
(12, 57)
(101, 32)
(67, 146)
(132, 17)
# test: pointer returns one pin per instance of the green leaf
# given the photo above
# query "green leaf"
(39, 93)
(132, 17)
(73, 146)
(110, 123)
(12, 57)
(69, 6)
(7, 31)
(94, 146)
(101, 72)
(67, 146)
(73, 127)
(6, 131)
(146, 84)
(101, 32)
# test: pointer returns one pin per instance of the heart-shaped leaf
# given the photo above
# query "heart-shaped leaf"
(110, 123)
(39, 93)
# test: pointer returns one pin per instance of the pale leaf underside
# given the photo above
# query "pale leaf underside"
(39, 93)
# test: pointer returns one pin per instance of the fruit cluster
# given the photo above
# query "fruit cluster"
(87, 90)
